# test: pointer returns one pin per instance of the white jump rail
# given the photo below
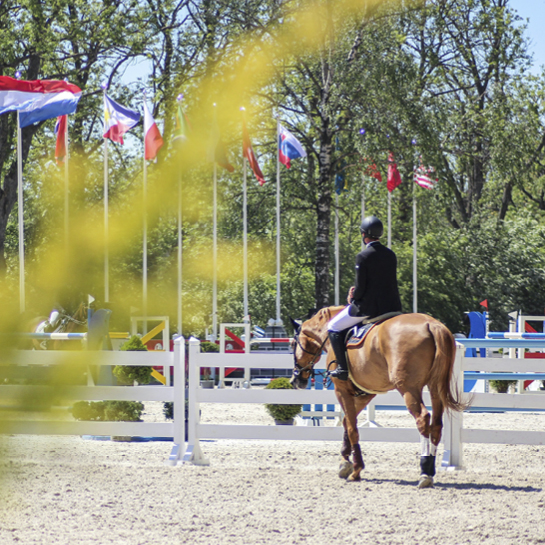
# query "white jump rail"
(11, 395)
(495, 401)
(198, 395)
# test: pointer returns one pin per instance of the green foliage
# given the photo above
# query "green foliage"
(128, 374)
(281, 413)
(502, 386)
(108, 411)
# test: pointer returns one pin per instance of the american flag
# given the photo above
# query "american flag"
(425, 176)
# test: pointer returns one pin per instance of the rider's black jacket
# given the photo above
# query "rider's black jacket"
(376, 290)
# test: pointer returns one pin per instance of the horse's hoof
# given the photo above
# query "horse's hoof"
(425, 481)
(355, 477)
(345, 469)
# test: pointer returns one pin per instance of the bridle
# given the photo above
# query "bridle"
(298, 368)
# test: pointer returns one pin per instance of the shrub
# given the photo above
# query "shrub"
(127, 374)
(502, 386)
(108, 411)
(281, 413)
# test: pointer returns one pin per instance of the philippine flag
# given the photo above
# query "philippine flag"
(118, 120)
(288, 147)
(152, 137)
(37, 100)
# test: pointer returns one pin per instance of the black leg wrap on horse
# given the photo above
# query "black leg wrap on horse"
(338, 343)
(347, 447)
(357, 458)
(427, 465)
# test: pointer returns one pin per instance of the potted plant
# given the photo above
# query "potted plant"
(127, 375)
(282, 414)
(206, 378)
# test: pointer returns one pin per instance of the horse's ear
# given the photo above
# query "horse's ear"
(296, 325)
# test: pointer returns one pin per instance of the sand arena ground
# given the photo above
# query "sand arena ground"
(68, 490)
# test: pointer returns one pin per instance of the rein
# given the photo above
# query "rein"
(298, 369)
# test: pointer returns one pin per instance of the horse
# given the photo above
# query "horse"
(404, 353)
(59, 321)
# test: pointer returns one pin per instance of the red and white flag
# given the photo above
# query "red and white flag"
(152, 137)
(425, 176)
(248, 153)
(60, 131)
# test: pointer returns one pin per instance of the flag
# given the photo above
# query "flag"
(182, 126)
(248, 153)
(372, 171)
(424, 176)
(484, 304)
(117, 120)
(60, 131)
(216, 149)
(152, 137)
(37, 100)
(288, 147)
(394, 178)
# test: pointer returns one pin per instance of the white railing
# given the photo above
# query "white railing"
(11, 395)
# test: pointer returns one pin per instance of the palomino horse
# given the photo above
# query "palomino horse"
(404, 353)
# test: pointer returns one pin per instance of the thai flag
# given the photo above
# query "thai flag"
(118, 120)
(288, 147)
(152, 137)
(37, 100)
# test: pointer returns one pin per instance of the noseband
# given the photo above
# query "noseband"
(298, 369)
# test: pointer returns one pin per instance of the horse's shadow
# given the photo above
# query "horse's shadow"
(457, 486)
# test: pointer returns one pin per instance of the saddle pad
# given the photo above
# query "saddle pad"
(360, 333)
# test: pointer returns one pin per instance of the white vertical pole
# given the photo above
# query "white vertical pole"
(180, 241)
(20, 213)
(106, 234)
(278, 319)
(66, 190)
(145, 241)
(415, 255)
(389, 219)
(245, 239)
(362, 205)
(215, 259)
(337, 258)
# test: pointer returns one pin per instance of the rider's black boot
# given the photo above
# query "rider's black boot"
(338, 343)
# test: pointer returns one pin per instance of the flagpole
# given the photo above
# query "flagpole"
(337, 257)
(22, 302)
(415, 266)
(362, 204)
(389, 219)
(245, 237)
(180, 240)
(278, 319)
(145, 235)
(106, 226)
(215, 258)
(66, 190)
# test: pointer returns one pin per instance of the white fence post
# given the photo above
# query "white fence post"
(453, 448)
(178, 449)
(193, 452)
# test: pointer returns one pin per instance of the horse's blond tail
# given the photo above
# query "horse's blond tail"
(441, 370)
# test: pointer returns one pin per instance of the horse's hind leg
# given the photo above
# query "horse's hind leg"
(416, 407)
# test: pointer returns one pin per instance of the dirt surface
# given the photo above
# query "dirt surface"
(68, 490)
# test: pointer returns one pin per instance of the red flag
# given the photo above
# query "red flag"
(152, 137)
(484, 304)
(372, 171)
(248, 152)
(394, 178)
(60, 147)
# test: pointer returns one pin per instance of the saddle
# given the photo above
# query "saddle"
(357, 336)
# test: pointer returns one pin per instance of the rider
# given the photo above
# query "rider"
(375, 292)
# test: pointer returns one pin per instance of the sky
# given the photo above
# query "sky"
(534, 11)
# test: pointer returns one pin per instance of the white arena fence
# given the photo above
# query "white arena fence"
(11, 395)
(454, 433)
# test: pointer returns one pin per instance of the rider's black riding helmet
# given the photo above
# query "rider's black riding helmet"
(372, 227)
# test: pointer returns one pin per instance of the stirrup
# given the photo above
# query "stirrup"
(340, 374)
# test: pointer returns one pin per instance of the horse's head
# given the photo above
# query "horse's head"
(307, 348)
